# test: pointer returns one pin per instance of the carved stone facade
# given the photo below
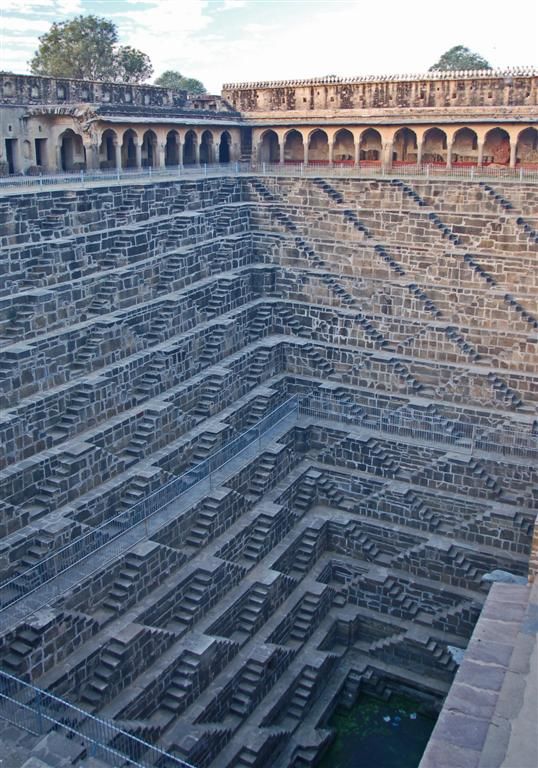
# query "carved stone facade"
(448, 119)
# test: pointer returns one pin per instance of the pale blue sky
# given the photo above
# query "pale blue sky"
(228, 40)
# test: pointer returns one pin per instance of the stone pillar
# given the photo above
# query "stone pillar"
(217, 151)
(386, 160)
(59, 157)
(180, 151)
(281, 150)
(420, 144)
(305, 152)
(92, 156)
(480, 153)
(331, 152)
(357, 152)
(117, 154)
(138, 148)
(160, 156)
(449, 154)
(513, 147)
(197, 153)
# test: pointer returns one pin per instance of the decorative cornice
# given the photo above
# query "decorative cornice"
(469, 74)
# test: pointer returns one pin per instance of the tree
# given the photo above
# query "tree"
(176, 81)
(132, 66)
(459, 57)
(86, 48)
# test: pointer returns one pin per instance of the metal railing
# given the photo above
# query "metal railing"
(422, 426)
(39, 712)
(111, 531)
(171, 173)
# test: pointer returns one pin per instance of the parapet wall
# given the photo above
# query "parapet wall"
(482, 88)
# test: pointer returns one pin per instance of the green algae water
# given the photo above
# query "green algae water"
(378, 734)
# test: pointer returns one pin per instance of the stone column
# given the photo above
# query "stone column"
(480, 153)
(513, 147)
(92, 156)
(449, 154)
(420, 144)
(160, 156)
(197, 153)
(117, 154)
(281, 150)
(386, 160)
(331, 152)
(216, 151)
(180, 151)
(59, 157)
(357, 152)
(305, 151)
(138, 148)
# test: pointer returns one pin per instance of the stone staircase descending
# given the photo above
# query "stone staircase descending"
(108, 670)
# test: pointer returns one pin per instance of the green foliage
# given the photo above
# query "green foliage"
(460, 58)
(132, 65)
(175, 80)
(86, 48)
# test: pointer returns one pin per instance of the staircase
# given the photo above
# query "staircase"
(72, 416)
(260, 326)
(205, 522)
(213, 347)
(151, 381)
(303, 694)
(107, 671)
(243, 700)
(304, 622)
(506, 395)
(89, 351)
(123, 584)
(146, 432)
(251, 615)
(212, 390)
(305, 553)
(182, 683)
(102, 300)
(261, 480)
(192, 600)
(257, 540)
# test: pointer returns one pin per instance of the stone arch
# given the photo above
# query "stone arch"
(434, 147)
(344, 146)
(293, 147)
(171, 149)
(496, 147)
(404, 146)
(527, 148)
(224, 147)
(190, 148)
(128, 149)
(318, 147)
(370, 146)
(149, 149)
(72, 152)
(206, 148)
(269, 147)
(107, 149)
(465, 147)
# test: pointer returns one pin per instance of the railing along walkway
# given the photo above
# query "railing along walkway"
(80, 179)
(53, 576)
(461, 437)
(39, 712)
(40, 585)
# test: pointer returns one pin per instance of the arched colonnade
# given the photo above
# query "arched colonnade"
(142, 147)
(448, 146)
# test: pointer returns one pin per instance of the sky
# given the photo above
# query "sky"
(224, 41)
